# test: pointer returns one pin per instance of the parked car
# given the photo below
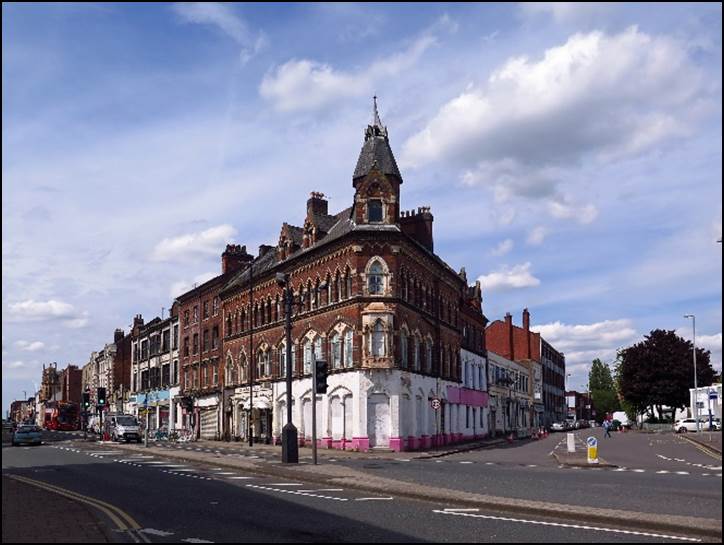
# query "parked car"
(28, 434)
(580, 424)
(689, 424)
(124, 427)
(558, 426)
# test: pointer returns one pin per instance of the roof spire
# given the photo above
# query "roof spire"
(376, 122)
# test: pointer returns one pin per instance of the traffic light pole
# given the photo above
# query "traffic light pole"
(314, 408)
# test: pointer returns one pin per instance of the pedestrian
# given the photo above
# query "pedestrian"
(607, 428)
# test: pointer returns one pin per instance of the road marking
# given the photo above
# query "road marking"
(195, 540)
(120, 518)
(224, 473)
(286, 484)
(239, 478)
(389, 498)
(322, 489)
(662, 472)
(154, 532)
(466, 462)
(461, 510)
(563, 525)
(682, 472)
(295, 492)
(638, 470)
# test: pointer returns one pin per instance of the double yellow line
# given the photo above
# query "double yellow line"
(124, 521)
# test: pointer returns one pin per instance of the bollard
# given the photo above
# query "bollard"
(592, 444)
(571, 442)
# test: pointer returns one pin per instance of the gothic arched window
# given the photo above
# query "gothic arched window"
(377, 340)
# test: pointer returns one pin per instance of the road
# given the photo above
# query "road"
(174, 501)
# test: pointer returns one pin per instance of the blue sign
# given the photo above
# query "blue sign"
(592, 442)
(712, 394)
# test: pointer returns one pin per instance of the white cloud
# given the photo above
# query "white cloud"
(584, 342)
(35, 311)
(596, 96)
(304, 84)
(223, 17)
(182, 286)
(506, 278)
(713, 343)
(565, 12)
(537, 235)
(503, 248)
(194, 245)
(14, 365)
(29, 346)
(565, 210)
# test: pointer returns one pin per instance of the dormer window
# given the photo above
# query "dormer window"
(374, 211)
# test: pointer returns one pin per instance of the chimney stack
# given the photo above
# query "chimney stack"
(526, 327)
(234, 258)
(509, 329)
(317, 205)
(118, 336)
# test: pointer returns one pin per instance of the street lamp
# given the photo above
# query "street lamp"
(290, 446)
(696, 391)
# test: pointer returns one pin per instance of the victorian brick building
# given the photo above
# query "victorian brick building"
(371, 297)
(523, 345)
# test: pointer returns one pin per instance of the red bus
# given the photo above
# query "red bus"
(62, 415)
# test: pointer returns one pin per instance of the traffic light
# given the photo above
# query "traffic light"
(86, 400)
(101, 397)
(321, 376)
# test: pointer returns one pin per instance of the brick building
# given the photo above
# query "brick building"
(374, 300)
(200, 319)
(523, 345)
(71, 380)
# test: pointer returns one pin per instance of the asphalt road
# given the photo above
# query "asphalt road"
(175, 501)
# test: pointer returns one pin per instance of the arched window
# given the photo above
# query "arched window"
(336, 345)
(330, 286)
(228, 326)
(242, 368)
(374, 211)
(283, 360)
(343, 293)
(428, 356)
(307, 347)
(403, 349)
(376, 279)
(377, 340)
(262, 360)
(416, 354)
(348, 282)
(348, 348)
(337, 290)
(230, 378)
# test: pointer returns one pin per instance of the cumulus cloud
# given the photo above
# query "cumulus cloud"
(582, 343)
(596, 97)
(303, 84)
(507, 278)
(191, 246)
(223, 17)
(537, 235)
(713, 343)
(14, 364)
(565, 210)
(503, 248)
(32, 311)
(29, 346)
(182, 286)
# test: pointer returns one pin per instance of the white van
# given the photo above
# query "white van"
(124, 427)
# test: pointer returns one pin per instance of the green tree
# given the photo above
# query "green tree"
(603, 389)
(658, 372)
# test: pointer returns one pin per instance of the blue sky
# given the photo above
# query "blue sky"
(571, 155)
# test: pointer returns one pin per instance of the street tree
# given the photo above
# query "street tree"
(658, 372)
(603, 389)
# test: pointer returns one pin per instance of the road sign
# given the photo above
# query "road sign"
(435, 404)
(712, 394)
(592, 443)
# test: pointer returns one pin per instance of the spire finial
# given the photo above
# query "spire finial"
(375, 114)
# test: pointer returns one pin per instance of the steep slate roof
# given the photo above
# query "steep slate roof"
(376, 150)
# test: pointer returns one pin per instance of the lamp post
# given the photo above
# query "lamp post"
(696, 391)
(290, 445)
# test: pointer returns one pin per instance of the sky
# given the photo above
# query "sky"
(571, 155)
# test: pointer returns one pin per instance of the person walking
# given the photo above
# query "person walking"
(607, 428)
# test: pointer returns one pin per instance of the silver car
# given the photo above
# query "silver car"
(28, 434)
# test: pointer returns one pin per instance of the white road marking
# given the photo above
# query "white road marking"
(296, 492)
(662, 472)
(195, 540)
(562, 525)
(389, 498)
(224, 473)
(239, 478)
(324, 490)
(638, 470)
(154, 532)
(682, 472)
(286, 484)
(466, 462)
(461, 510)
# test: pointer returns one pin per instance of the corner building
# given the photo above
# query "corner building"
(374, 300)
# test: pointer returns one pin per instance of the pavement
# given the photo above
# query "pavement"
(61, 520)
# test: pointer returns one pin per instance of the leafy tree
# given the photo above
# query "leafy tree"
(603, 389)
(658, 371)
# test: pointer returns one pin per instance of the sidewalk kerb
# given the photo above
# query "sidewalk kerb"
(674, 523)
